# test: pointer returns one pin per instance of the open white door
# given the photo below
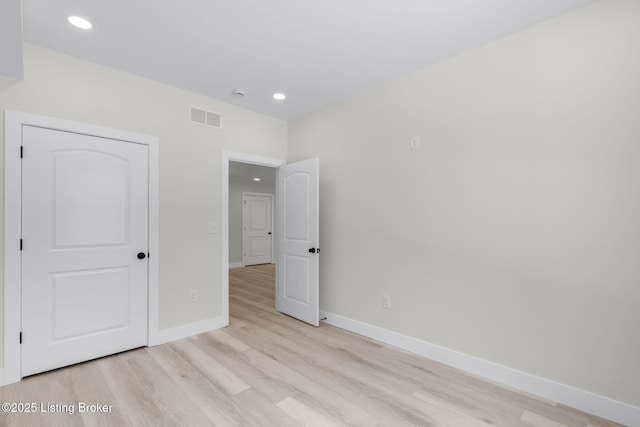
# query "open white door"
(298, 241)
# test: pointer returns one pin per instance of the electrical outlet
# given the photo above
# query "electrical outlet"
(193, 295)
(212, 227)
(414, 142)
(386, 301)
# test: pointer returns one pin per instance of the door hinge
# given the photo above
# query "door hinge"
(21, 151)
(20, 244)
(20, 337)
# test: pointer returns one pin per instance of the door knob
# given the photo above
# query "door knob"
(312, 250)
(141, 255)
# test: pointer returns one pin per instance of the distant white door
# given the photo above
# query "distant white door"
(85, 236)
(256, 228)
(297, 292)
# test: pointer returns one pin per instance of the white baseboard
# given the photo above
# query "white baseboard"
(184, 331)
(570, 396)
(2, 376)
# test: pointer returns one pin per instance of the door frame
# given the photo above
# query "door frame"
(13, 122)
(272, 249)
(232, 156)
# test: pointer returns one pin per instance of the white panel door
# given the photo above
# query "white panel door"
(256, 229)
(85, 237)
(298, 241)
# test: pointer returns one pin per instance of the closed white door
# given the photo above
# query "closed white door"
(256, 229)
(84, 258)
(297, 285)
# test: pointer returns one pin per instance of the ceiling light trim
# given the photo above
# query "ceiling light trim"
(79, 22)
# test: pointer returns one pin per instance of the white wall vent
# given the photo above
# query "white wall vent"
(204, 117)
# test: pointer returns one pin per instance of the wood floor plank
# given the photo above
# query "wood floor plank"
(303, 388)
(90, 385)
(260, 411)
(206, 395)
(446, 411)
(532, 419)
(209, 368)
(391, 410)
(305, 415)
(146, 394)
(242, 366)
(53, 396)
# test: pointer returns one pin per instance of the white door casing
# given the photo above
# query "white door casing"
(85, 220)
(256, 228)
(297, 280)
(15, 122)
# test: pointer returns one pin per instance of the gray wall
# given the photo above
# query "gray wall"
(236, 187)
(512, 235)
(190, 160)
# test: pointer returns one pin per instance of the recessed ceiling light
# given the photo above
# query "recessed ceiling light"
(279, 96)
(79, 22)
(239, 93)
(256, 179)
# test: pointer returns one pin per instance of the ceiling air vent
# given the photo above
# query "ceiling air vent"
(204, 117)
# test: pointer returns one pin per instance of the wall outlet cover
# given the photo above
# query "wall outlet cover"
(386, 301)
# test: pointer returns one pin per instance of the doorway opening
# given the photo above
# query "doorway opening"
(252, 190)
(297, 235)
(239, 173)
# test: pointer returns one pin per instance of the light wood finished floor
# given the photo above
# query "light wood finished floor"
(267, 369)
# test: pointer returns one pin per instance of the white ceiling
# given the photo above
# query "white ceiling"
(315, 51)
(245, 172)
